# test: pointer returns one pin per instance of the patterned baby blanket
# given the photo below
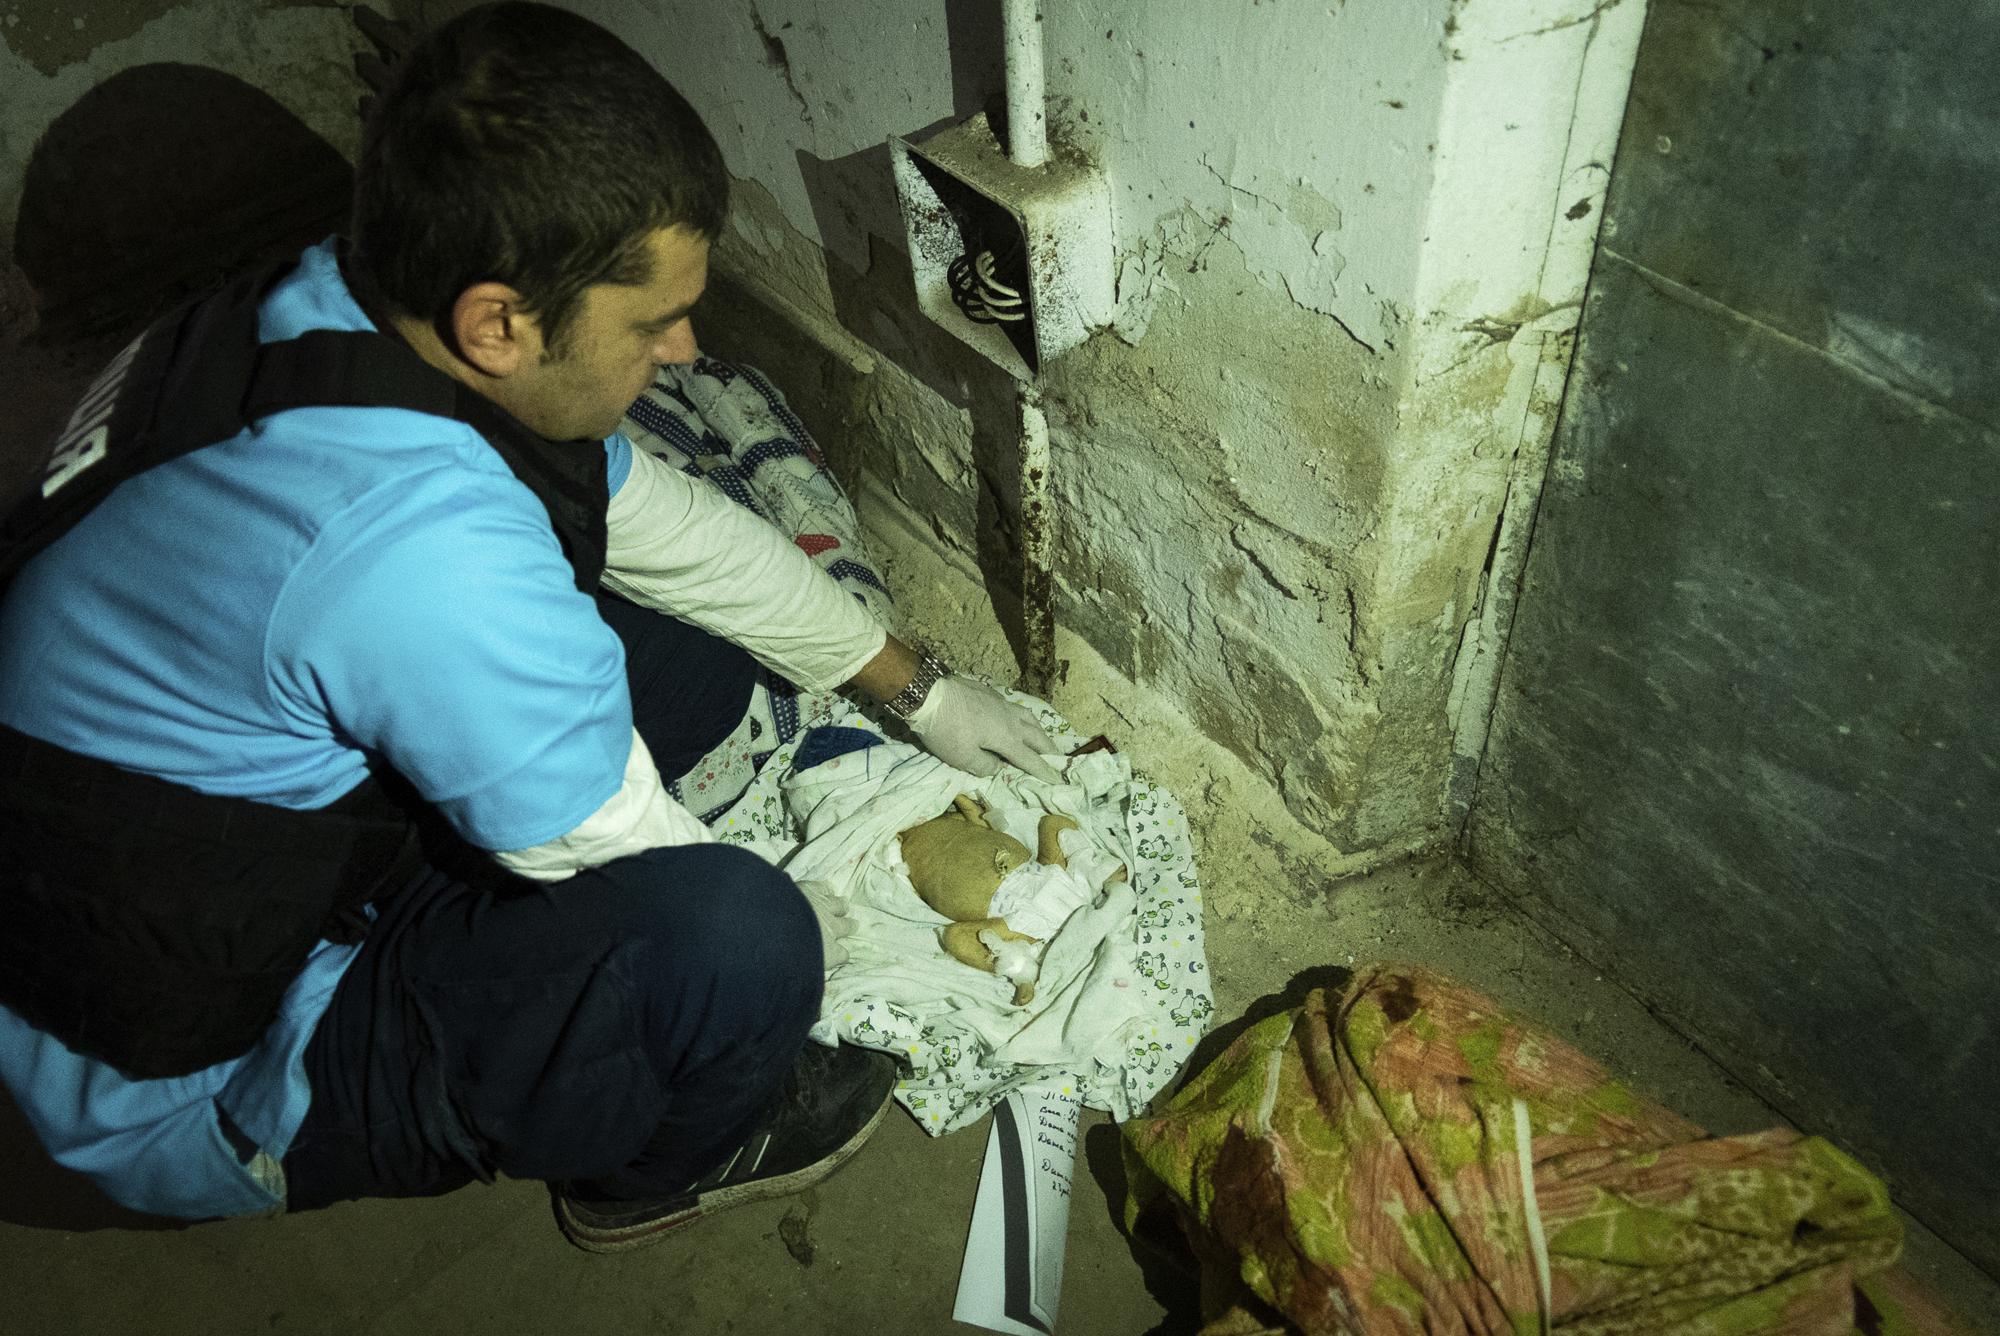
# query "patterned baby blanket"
(1123, 993)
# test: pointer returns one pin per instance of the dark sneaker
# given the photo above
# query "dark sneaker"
(831, 1102)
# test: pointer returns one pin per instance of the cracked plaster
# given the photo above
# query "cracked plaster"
(1333, 226)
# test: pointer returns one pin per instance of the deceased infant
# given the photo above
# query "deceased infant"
(962, 868)
(991, 931)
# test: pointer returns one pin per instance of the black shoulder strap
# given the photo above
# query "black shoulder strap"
(346, 369)
(198, 375)
(338, 368)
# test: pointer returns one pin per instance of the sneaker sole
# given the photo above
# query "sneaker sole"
(595, 1238)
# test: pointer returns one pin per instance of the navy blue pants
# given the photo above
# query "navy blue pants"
(623, 1027)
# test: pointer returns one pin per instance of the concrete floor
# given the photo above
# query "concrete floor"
(874, 1249)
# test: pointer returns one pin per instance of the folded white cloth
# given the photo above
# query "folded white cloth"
(851, 864)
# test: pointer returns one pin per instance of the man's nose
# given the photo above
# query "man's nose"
(677, 345)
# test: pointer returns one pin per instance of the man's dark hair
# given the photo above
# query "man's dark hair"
(526, 145)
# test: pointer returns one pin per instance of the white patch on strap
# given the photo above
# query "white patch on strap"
(73, 457)
(88, 436)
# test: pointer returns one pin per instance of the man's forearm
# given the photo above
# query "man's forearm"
(682, 547)
(888, 672)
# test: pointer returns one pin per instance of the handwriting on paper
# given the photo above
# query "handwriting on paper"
(1055, 1140)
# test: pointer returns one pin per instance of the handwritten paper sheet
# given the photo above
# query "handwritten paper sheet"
(1012, 1277)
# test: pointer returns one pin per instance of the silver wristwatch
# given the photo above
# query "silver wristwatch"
(906, 702)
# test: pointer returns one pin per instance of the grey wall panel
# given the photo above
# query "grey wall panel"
(1747, 751)
(1832, 169)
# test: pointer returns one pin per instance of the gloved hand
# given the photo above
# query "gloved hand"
(970, 725)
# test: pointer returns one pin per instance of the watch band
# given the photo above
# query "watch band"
(930, 669)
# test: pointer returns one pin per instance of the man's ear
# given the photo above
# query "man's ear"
(492, 331)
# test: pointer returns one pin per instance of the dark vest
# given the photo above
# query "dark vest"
(144, 923)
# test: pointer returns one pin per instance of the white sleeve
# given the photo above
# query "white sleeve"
(640, 816)
(682, 547)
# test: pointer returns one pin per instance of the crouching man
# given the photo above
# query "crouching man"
(350, 551)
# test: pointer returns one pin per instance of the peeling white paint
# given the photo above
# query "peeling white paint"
(1142, 281)
(1310, 125)
(1305, 126)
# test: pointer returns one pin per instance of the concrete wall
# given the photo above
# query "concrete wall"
(1747, 754)
(1351, 242)
(145, 149)
(53, 54)
(1347, 235)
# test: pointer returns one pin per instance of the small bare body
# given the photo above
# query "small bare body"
(958, 860)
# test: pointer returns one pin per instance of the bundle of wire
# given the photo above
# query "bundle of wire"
(981, 295)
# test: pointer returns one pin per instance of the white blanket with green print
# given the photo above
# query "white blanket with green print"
(1123, 993)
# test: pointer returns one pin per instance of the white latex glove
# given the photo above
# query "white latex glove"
(969, 725)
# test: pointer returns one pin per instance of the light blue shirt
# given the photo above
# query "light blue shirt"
(253, 620)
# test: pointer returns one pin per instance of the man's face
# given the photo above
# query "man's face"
(619, 337)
